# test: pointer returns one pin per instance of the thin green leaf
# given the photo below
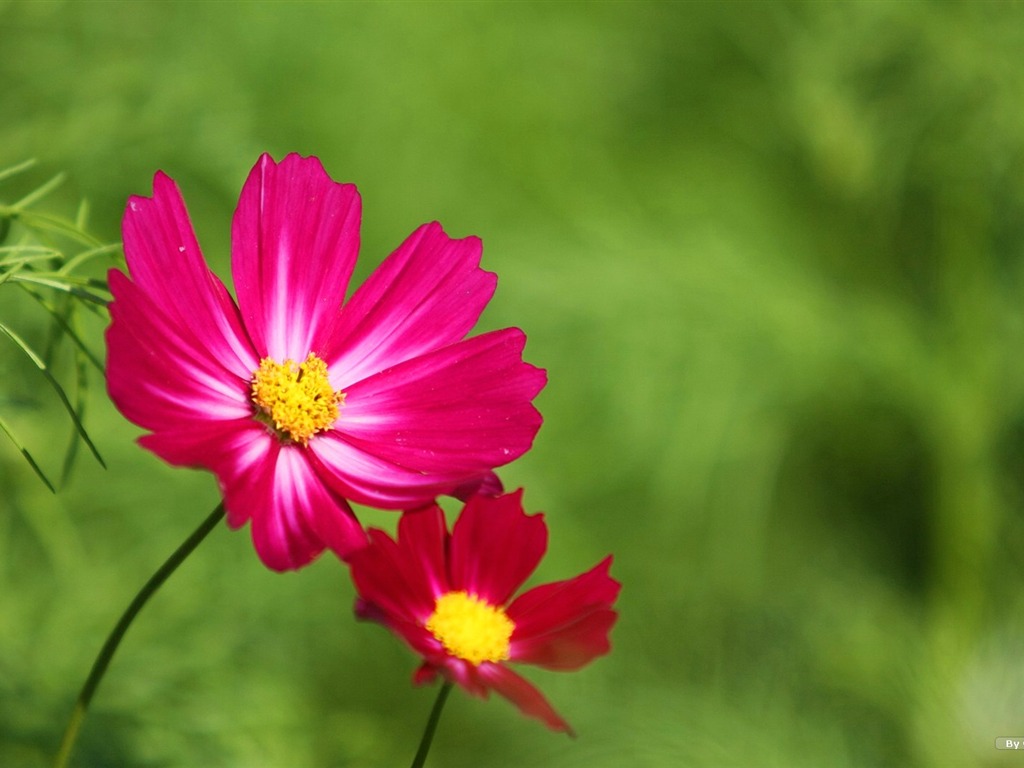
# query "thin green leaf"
(55, 332)
(62, 284)
(82, 217)
(56, 387)
(6, 173)
(81, 392)
(10, 273)
(46, 223)
(40, 193)
(28, 456)
(84, 256)
(40, 254)
(62, 316)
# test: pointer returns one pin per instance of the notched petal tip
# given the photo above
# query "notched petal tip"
(294, 243)
(495, 546)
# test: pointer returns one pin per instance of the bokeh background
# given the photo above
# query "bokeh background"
(772, 256)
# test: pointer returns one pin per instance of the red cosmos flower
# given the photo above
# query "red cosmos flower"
(448, 597)
(298, 402)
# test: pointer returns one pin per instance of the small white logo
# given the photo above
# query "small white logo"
(1004, 743)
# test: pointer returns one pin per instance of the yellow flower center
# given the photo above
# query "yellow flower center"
(296, 400)
(470, 628)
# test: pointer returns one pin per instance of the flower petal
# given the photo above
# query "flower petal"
(425, 674)
(166, 264)
(487, 484)
(403, 578)
(367, 479)
(530, 701)
(294, 243)
(461, 409)
(462, 673)
(294, 515)
(495, 546)
(427, 294)
(416, 636)
(232, 450)
(565, 625)
(423, 536)
(570, 646)
(161, 372)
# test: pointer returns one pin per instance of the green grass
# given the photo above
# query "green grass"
(772, 256)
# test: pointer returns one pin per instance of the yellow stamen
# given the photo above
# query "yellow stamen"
(296, 400)
(471, 628)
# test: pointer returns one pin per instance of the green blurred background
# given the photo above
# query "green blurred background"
(772, 256)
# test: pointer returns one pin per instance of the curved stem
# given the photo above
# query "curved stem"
(428, 732)
(99, 666)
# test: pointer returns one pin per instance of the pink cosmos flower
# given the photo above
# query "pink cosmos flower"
(448, 597)
(297, 402)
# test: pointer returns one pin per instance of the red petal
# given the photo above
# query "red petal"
(423, 536)
(565, 625)
(571, 646)
(402, 579)
(294, 243)
(488, 484)
(425, 674)
(521, 693)
(495, 546)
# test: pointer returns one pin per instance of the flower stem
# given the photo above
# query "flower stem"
(99, 666)
(428, 732)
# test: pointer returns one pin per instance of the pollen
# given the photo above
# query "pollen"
(471, 628)
(295, 399)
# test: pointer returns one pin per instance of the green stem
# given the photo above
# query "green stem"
(428, 732)
(99, 667)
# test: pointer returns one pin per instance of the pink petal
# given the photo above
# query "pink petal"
(293, 514)
(232, 450)
(463, 409)
(366, 479)
(162, 373)
(166, 264)
(495, 546)
(521, 693)
(427, 294)
(565, 625)
(281, 532)
(294, 243)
